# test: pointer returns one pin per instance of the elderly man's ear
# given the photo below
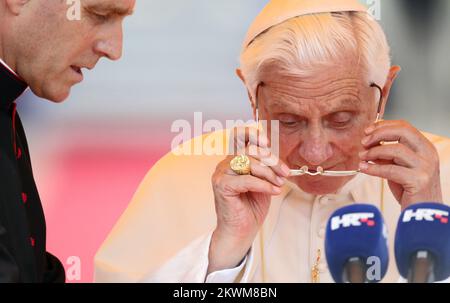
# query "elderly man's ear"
(393, 73)
(240, 75)
(15, 6)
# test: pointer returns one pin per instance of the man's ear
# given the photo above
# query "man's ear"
(393, 74)
(15, 6)
(241, 76)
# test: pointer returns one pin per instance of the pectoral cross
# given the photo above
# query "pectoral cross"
(315, 268)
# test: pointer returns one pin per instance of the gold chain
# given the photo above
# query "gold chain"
(382, 197)
(263, 261)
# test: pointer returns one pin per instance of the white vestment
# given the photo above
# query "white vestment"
(164, 235)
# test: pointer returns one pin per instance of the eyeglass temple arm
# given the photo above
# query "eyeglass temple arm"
(257, 101)
(380, 102)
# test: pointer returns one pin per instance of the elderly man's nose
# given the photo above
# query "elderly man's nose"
(110, 47)
(316, 151)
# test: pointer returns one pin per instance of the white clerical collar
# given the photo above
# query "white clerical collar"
(9, 68)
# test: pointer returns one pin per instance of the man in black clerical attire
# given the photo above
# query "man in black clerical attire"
(41, 47)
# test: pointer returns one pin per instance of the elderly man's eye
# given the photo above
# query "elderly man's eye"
(101, 17)
(289, 120)
(289, 123)
(98, 17)
(341, 119)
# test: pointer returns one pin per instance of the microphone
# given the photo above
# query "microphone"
(356, 245)
(422, 243)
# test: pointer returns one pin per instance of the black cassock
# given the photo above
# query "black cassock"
(23, 256)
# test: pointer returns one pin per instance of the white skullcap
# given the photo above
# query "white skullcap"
(278, 11)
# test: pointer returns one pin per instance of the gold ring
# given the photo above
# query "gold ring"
(240, 165)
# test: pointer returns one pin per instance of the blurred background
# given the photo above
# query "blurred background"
(91, 152)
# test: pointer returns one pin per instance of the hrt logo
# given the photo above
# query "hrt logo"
(354, 219)
(427, 214)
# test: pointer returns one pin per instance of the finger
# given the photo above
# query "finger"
(382, 123)
(267, 158)
(399, 154)
(257, 151)
(396, 131)
(395, 173)
(248, 183)
(249, 135)
(263, 171)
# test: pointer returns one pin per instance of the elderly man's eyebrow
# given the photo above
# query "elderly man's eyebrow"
(109, 9)
(346, 103)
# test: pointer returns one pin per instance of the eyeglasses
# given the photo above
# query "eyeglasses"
(305, 171)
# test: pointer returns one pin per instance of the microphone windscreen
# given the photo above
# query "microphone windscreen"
(356, 231)
(424, 227)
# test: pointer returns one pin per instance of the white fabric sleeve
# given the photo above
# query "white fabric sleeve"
(226, 275)
(191, 265)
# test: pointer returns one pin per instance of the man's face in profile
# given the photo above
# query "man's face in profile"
(51, 51)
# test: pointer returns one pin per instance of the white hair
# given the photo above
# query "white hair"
(302, 44)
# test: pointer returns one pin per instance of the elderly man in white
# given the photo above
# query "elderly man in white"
(322, 69)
